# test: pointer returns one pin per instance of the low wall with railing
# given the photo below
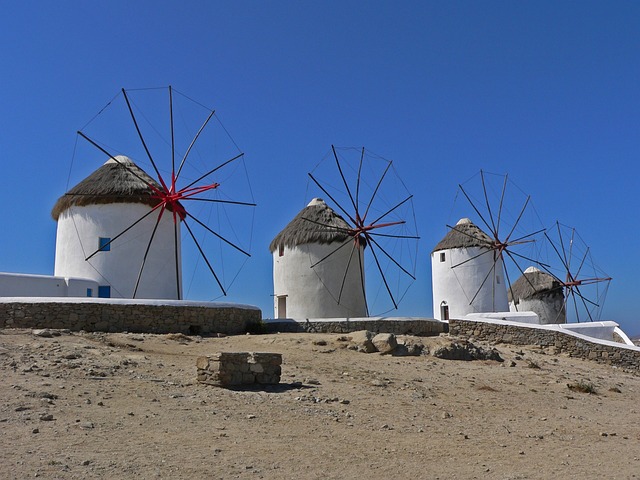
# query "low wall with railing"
(396, 325)
(562, 340)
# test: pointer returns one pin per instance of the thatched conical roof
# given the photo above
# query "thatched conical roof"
(534, 282)
(119, 180)
(316, 223)
(464, 234)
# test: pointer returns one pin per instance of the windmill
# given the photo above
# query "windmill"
(363, 227)
(170, 171)
(584, 285)
(474, 264)
(378, 208)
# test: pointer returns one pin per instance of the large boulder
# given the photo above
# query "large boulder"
(361, 341)
(385, 342)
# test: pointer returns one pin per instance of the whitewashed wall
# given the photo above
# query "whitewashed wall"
(77, 237)
(26, 285)
(313, 292)
(550, 308)
(458, 286)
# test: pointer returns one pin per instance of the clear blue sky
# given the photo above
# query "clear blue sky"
(545, 91)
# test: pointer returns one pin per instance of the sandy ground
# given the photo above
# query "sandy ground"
(127, 406)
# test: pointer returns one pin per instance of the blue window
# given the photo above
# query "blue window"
(104, 244)
(104, 291)
(89, 292)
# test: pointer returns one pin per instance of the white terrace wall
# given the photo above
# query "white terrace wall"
(27, 285)
(562, 340)
(129, 316)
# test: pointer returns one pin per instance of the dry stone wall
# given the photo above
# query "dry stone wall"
(239, 368)
(398, 326)
(623, 355)
(139, 318)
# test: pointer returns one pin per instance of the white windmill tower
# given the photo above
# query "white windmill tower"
(92, 217)
(539, 292)
(311, 278)
(468, 275)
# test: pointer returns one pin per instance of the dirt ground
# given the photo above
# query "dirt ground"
(112, 406)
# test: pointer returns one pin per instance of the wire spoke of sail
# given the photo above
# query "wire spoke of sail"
(125, 230)
(125, 166)
(212, 171)
(474, 207)
(491, 270)
(528, 259)
(584, 257)
(384, 279)
(506, 274)
(584, 299)
(484, 252)
(560, 256)
(144, 144)
(524, 275)
(575, 304)
(375, 192)
(344, 180)
(494, 230)
(173, 143)
(330, 228)
(462, 232)
(521, 240)
(388, 235)
(515, 224)
(358, 179)
(392, 209)
(504, 189)
(218, 235)
(333, 199)
(204, 256)
(176, 254)
(184, 158)
(346, 271)
(146, 252)
(332, 252)
(364, 293)
(564, 251)
(372, 240)
(215, 200)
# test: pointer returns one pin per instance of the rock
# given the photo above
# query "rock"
(47, 417)
(362, 341)
(409, 348)
(464, 350)
(385, 342)
(44, 332)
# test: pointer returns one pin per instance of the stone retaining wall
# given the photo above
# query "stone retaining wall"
(242, 368)
(398, 326)
(574, 345)
(130, 317)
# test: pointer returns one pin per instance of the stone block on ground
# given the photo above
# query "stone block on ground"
(227, 369)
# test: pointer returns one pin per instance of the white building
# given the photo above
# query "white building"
(467, 274)
(318, 272)
(541, 293)
(90, 242)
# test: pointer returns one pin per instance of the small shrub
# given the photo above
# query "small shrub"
(582, 387)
